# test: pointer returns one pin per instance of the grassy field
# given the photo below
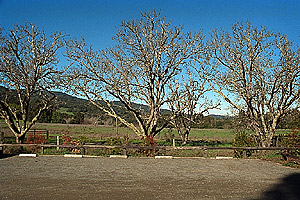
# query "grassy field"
(99, 132)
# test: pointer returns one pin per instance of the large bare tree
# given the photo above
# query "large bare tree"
(257, 72)
(148, 54)
(27, 70)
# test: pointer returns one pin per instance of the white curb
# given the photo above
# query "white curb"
(27, 155)
(118, 156)
(72, 156)
(222, 157)
(159, 157)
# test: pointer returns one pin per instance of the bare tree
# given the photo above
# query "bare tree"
(257, 72)
(27, 69)
(139, 69)
(186, 98)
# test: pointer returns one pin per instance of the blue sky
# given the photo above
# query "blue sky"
(97, 20)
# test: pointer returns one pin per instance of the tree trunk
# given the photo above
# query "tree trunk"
(20, 139)
(182, 139)
(185, 137)
(266, 140)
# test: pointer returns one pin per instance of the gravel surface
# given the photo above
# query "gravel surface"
(145, 178)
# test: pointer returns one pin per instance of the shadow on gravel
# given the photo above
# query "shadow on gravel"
(287, 189)
(2, 156)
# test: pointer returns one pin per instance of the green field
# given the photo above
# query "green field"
(92, 131)
(99, 132)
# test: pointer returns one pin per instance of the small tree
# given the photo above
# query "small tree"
(78, 118)
(149, 53)
(27, 70)
(185, 100)
(257, 72)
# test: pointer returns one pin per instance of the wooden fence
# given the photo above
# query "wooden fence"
(125, 148)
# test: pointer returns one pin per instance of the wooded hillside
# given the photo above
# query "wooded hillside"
(70, 109)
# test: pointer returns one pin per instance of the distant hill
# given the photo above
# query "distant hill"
(76, 104)
(67, 106)
(71, 109)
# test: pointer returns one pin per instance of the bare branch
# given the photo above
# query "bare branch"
(27, 69)
(149, 53)
(256, 71)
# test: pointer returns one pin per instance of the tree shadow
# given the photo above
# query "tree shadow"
(287, 189)
(2, 156)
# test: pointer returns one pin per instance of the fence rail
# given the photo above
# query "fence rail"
(149, 147)
(84, 147)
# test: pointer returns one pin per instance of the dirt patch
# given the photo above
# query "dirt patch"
(138, 178)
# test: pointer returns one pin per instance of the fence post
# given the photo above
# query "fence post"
(83, 150)
(42, 149)
(205, 151)
(124, 151)
(244, 153)
(47, 134)
(2, 138)
(1, 142)
(57, 142)
(174, 142)
(165, 151)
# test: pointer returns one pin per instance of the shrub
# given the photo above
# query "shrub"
(36, 138)
(148, 142)
(68, 140)
(242, 139)
(114, 141)
(292, 140)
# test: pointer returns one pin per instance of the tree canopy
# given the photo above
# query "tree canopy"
(256, 71)
(149, 54)
(27, 67)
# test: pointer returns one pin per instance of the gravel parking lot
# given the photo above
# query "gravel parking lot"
(145, 178)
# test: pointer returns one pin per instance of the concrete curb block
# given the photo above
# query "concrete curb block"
(118, 156)
(72, 156)
(27, 155)
(223, 157)
(160, 157)
(189, 158)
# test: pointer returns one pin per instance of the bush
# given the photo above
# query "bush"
(114, 141)
(243, 139)
(36, 138)
(292, 140)
(149, 142)
(68, 140)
